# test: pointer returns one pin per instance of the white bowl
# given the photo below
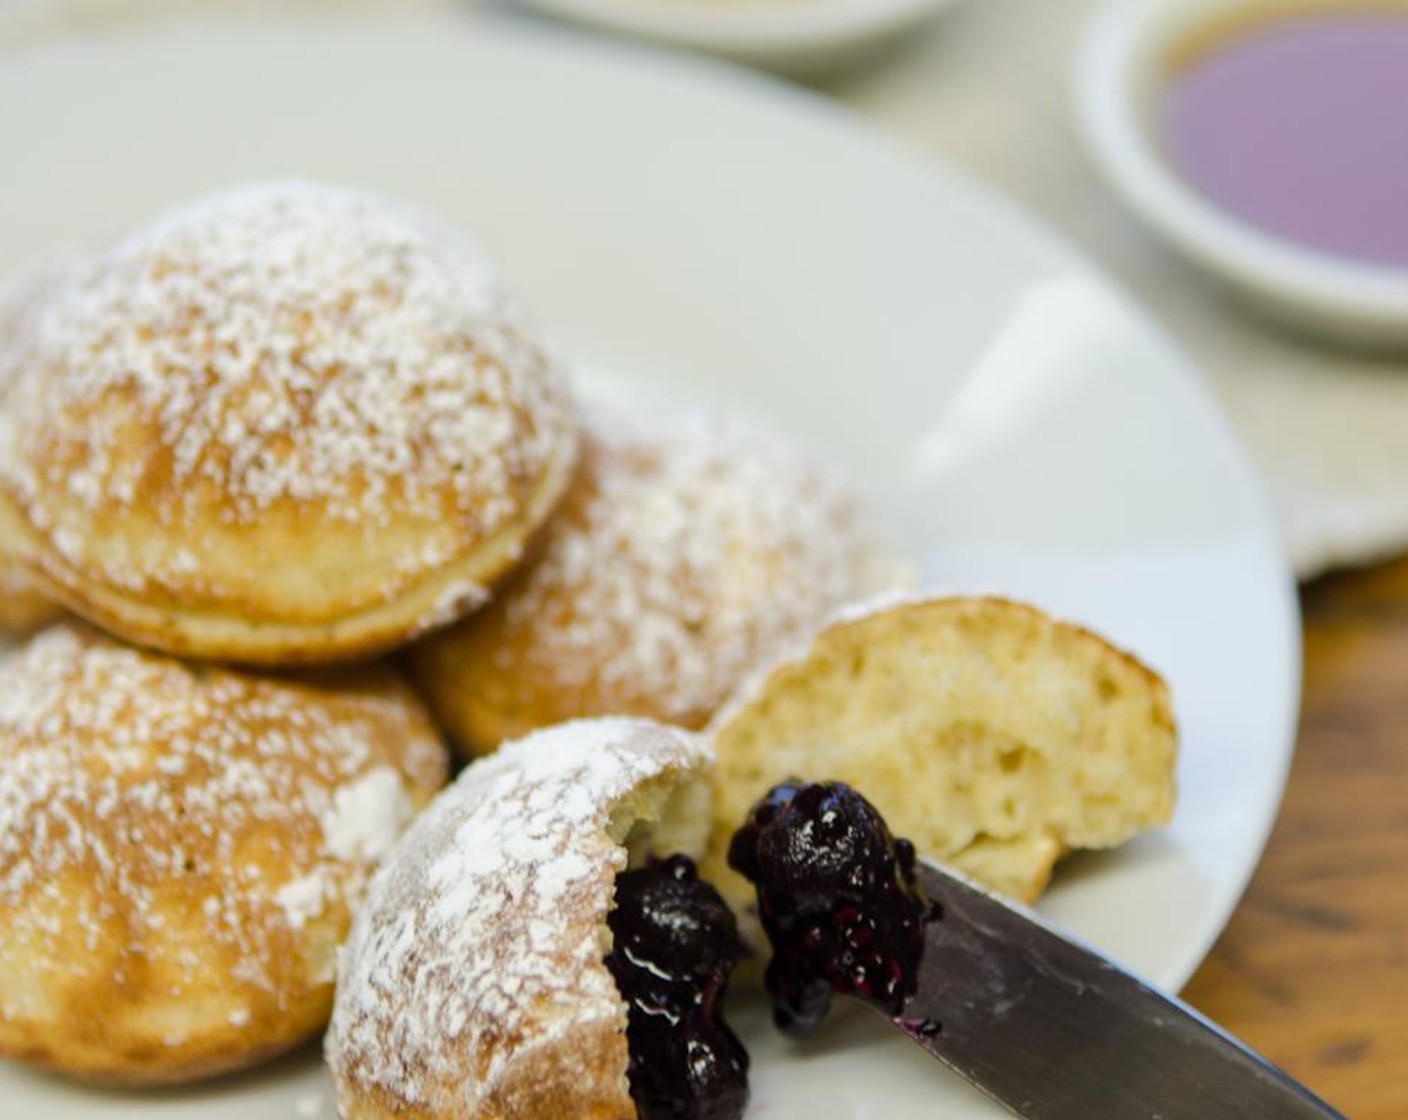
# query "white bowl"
(1120, 69)
(798, 37)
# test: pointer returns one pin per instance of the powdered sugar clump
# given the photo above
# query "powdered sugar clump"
(303, 899)
(364, 819)
(482, 938)
(367, 816)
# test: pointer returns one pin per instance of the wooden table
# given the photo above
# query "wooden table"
(1313, 969)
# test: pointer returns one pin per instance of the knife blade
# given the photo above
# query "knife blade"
(1053, 1030)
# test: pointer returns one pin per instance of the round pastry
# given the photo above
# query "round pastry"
(285, 424)
(181, 849)
(488, 975)
(688, 548)
(24, 608)
(990, 734)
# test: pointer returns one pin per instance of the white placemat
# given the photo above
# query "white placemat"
(989, 86)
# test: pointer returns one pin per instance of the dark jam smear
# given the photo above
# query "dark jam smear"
(838, 899)
(675, 945)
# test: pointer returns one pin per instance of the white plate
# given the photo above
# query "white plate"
(790, 36)
(747, 244)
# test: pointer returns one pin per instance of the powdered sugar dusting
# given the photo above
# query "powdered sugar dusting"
(367, 816)
(692, 547)
(482, 937)
(287, 345)
(184, 794)
(303, 899)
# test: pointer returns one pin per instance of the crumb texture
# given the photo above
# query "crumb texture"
(983, 730)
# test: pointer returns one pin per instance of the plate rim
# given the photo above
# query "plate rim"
(761, 27)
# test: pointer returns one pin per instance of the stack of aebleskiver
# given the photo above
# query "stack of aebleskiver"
(289, 427)
(289, 430)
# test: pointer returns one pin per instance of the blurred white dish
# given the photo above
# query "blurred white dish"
(734, 240)
(1121, 68)
(799, 37)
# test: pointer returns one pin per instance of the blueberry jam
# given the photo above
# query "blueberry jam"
(838, 899)
(675, 945)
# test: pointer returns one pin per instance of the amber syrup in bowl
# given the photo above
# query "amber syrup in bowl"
(1266, 141)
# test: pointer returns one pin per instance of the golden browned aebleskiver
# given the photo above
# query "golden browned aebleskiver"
(181, 848)
(285, 424)
(990, 734)
(689, 548)
(474, 984)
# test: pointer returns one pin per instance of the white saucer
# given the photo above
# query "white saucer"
(1117, 77)
(797, 37)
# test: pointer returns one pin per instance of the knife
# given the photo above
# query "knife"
(1052, 1030)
